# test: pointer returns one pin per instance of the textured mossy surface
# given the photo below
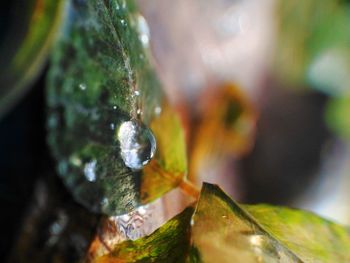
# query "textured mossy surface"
(100, 77)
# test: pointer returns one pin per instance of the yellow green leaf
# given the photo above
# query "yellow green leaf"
(225, 230)
(222, 231)
(310, 237)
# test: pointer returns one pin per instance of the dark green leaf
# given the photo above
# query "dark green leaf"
(101, 83)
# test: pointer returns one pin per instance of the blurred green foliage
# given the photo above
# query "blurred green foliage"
(30, 30)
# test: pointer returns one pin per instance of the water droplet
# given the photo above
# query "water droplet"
(53, 121)
(192, 222)
(90, 171)
(123, 22)
(82, 86)
(142, 210)
(59, 224)
(114, 107)
(135, 224)
(143, 29)
(157, 110)
(137, 144)
(139, 112)
(104, 201)
(112, 125)
(75, 160)
(257, 240)
(62, 167)
(57, 227)
(137, 93)
(125, 217)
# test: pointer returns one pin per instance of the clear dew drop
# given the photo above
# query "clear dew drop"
(143, 29)
(137, 144)
(90, 171)
(82, 86)
(57, 227)
(157, 110)
(104, 201)
(62, 167)
(268, 249)
(123, 22)
(135, 224)
(75, 160)
(192, 222)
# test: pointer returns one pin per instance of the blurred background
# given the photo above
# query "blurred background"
(291, 62)
(285, 63)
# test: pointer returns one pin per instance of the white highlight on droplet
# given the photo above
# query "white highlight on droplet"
(123, 22)
(157, 110)
(82, 86)
(90, 171)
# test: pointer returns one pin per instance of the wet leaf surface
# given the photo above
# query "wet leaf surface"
(101, 80)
